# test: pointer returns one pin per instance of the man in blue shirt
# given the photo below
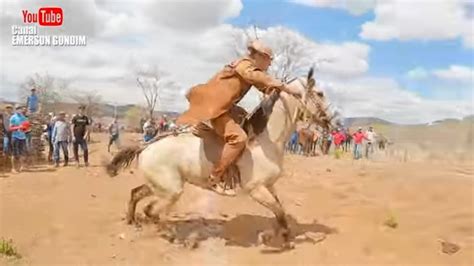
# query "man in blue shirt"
(17, 128)
(32, 102)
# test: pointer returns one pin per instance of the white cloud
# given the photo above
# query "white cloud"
(420, 20)
(417, 73)
(356, 7)
(384, 98)
(456, 73)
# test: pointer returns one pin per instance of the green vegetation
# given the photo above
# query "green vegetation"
(8, 249)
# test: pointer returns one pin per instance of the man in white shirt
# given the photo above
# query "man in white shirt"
(369, 146)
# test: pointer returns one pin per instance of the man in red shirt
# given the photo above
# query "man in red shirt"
(358, 137)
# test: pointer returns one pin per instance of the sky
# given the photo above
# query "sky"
(400, 60)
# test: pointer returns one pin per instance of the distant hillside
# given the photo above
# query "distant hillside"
(107, 110)
(469, 118)
(364, 121)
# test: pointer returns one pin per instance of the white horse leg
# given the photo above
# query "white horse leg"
(262, 195)
(137, 194)
(160, 206)
(168, 187)
(271, 189)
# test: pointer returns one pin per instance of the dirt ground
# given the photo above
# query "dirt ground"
(75, 216)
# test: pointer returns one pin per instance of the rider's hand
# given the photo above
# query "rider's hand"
(297, 94)
(292, 92)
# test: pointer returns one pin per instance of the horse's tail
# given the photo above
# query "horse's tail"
(123, 159)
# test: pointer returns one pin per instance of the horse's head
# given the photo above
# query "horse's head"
(313, 106)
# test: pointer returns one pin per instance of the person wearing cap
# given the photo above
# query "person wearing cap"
(214, 100)
(32, 102)
(61, 137)
(80, 128)
(17, 128)
(7, 137)
(358, 137)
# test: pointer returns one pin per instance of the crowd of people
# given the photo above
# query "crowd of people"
(341, 139)
(62, 133)
(17, 131)
(153, 127)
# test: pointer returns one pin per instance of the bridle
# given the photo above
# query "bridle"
(302, 108)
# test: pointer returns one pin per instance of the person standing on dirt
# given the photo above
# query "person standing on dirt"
(61, 137)
(18, 125)
(114, 134)
(27, 130)
(49, 131)
(369, 146)
(7, 137)
(80, 128)
(358, 137)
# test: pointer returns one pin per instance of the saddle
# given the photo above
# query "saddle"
(253, 124)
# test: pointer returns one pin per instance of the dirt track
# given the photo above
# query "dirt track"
(75, 217)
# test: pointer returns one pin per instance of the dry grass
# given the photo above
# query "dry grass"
(8, 249)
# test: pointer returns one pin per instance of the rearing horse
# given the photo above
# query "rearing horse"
(171, 162)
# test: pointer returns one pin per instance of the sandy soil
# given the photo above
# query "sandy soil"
(75, 216)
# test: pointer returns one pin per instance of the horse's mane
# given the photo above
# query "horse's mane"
(256, 122)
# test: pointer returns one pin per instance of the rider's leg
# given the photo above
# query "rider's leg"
(235, 141)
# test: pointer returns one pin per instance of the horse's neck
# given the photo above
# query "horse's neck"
(281, 123)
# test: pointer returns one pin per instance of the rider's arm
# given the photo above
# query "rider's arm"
(261, 80)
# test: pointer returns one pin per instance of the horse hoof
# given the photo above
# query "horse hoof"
(289, 245)
(265, 237)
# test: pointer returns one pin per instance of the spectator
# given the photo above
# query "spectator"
(61, 137)
(338, 138)
(293, 144)
(80, 128)
(369, 147)
(27, 131)
(165, 123)
(18, 124)
(149, 129)
(142, 125)
(32, 102)
(7, 137)
(49, 131)
(172, 125)
(114, 134)
(358, 137)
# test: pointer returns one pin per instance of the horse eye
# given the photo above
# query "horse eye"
(320, 94)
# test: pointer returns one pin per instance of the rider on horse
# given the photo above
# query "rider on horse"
(214, 100)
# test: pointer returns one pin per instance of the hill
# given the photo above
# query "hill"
(364, 121)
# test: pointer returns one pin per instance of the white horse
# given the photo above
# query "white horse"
(168, 163)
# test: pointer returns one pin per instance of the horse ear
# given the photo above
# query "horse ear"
(310, 73)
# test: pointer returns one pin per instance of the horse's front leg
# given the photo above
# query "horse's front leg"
(265, 197)
(137, 194)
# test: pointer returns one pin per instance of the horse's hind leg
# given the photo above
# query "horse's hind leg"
(266, 197)
(161, 206)
(137, 194)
